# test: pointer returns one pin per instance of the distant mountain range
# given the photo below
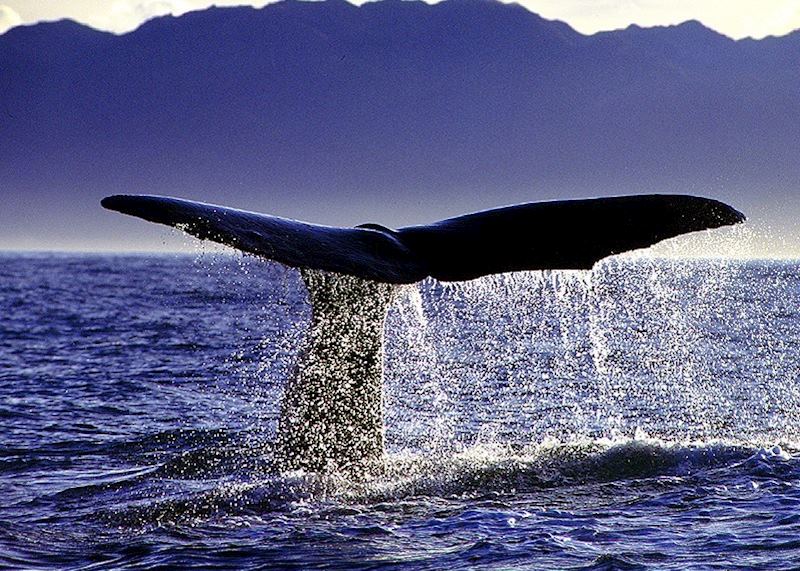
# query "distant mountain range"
(393, 111)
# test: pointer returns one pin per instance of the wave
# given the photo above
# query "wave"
(226, 488)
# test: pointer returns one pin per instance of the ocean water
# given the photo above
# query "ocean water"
(645, 415)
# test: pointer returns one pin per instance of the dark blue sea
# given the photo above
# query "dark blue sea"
(645, 415)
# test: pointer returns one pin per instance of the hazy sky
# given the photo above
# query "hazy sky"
(735, 18)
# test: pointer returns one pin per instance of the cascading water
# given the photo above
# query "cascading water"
(669, 347)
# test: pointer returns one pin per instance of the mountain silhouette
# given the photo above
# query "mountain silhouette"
(393, 111)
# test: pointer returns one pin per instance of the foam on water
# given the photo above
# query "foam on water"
(248, 489)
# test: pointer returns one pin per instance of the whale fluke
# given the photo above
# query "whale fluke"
(363, 252)
(564, 234)
(332, 410)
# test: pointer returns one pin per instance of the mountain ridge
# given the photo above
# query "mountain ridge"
(633, 26)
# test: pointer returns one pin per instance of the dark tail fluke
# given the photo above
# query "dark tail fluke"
(568, 234)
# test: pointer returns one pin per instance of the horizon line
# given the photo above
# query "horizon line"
(213, 248)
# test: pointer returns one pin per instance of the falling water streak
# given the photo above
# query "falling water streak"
(408, 332)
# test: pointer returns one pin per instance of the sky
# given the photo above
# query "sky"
(734, 18)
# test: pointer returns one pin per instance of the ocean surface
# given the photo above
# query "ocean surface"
(645, 415)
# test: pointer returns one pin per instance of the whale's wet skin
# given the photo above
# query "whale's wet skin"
(643, 415)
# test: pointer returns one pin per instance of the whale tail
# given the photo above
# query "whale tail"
(567, 234)
(332, 411)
